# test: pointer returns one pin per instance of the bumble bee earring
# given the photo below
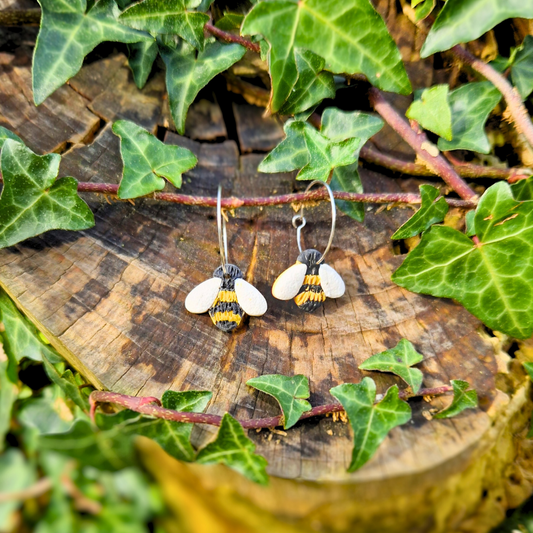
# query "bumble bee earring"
(309, 281)
(227, 296)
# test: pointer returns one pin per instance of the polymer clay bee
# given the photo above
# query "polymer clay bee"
(310, 281)
(227, 296)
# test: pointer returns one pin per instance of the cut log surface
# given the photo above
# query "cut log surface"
(111, 300)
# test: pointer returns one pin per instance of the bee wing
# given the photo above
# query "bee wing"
(330, 281)
(289, 282)
(201, 298)
(253, 303)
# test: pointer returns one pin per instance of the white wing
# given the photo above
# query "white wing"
(253, 303)
(201, 298)
(331, 282)
(289, 282)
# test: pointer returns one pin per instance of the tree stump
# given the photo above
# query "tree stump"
(110, 299)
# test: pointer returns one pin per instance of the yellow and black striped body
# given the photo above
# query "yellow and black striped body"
(226, 313)
(311, 296)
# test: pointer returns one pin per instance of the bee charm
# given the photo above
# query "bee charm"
(227, 296)
(309, 282)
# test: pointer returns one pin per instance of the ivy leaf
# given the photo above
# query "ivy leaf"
(529, 369)
(306, 148)
(234, 449)
(146, 159)
(429, 213)
(470, 224)
(493, 279)
(68, 383)
(338, 125)
(67, 35)
(432, 111)
(230, 21)
(8, 395)
(423, 8)
(312, 86)
(522, 68)
(167, 17)
(471, 105)
(370, 422)
(141, 58)
(462, 21)
(6, 134)
(187, 73)
(173, 437)
(104, 450)
(32, 200)
(352, 38)
(523, 189)
(399, 361)
(20, 337)
(290, 392)
(462, 399)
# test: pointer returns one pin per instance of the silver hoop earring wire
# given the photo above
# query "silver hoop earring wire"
(300, 217)
(222, 233)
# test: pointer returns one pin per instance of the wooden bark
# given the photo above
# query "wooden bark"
(110, 299)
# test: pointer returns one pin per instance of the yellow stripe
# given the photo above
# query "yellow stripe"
(311, 280)
(226, 316)
(306, 296)
(226, 297)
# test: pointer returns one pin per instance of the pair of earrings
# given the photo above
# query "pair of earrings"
(227, 296)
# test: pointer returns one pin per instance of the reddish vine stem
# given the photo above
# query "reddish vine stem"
(420, 143)
(515, 106)
(150, 406)
(232, 38)
(263, 201)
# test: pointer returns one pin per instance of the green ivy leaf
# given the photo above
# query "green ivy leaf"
(68, 383)
(141, 57)
(522, 68)
(432, 111)
(423, 9)
(429, 213)
(462, 399)
(494, 279)
(352, 38)
(312, 86)
(462, 21)
(20, 337)
(471, 105)
(470, 224)
(67, 35)
(187, 73)
(370, 422)
(306, 148)
(104, 450)
(146, 159)
(32, 200)
(167, 17)
(234, 449)
(6, 134)
(529, 369)
(399, 361)
(173, 437)
(8, 395)
(230, 21)
(291, 393)
(523, 190)
(338, 125)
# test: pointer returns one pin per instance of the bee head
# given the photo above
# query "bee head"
(309, 257)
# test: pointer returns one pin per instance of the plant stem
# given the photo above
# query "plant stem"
(516, 108)
(420, 144)
(149, 406)
(263, 201)
(20, 17)
(232, 38)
